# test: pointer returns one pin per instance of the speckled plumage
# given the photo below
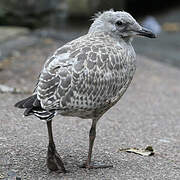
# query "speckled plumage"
(86, 76)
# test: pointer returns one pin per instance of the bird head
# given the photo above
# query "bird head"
(119, 24)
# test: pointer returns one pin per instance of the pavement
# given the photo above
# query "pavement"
(148, 114)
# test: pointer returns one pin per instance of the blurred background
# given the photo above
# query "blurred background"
(31, 30)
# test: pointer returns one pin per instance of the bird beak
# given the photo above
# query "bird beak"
(146, 32)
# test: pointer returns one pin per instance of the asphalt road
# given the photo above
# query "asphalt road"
(148, 114)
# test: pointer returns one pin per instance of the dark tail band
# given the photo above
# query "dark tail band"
(33, 107)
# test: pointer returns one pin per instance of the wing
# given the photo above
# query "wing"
(55, 79)
(84, 75)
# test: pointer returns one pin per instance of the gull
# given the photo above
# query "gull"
(86, 77)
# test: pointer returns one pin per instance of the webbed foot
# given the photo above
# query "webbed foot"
(54, 162)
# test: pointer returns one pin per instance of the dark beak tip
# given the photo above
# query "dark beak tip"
(153, 35)
(148, 33)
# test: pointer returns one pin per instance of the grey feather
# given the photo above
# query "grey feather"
(79, 82)
(88, 75)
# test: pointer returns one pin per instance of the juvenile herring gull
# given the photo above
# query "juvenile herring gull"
(86, 77)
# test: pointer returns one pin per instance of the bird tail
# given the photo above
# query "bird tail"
(33, 106)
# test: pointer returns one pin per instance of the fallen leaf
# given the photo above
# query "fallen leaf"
(148, 151)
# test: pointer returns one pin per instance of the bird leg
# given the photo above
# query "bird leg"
(92, 135)
(54, 161)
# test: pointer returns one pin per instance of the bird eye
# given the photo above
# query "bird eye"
(119, 23)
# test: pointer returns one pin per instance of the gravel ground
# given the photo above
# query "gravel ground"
(148, 114)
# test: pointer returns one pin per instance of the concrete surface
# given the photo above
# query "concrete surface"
(148, 114)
